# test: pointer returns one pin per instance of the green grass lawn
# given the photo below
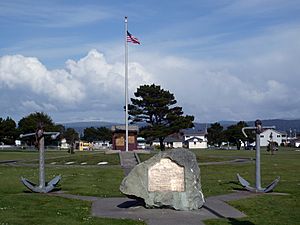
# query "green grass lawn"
(265, 209)
(19, 207)
(91, 158)
(101, 182)
(28, 155)
(204, 155)
(37, 209)
(61, 157)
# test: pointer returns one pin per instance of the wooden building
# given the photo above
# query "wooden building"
(118, 137)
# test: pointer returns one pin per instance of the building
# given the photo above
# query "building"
(272, 135)
(195, 139)
(141, 143)
(297, 143)
(170, 142)
(100, 145)
(83, 146)
(64, 145)
(119, 136)
(191, 139)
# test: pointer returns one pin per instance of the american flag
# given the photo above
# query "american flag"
(132, 39)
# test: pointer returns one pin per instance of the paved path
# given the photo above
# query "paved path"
(121, 208)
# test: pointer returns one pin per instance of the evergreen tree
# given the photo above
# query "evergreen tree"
(105, 134)
(90, 134)
(29, 124)
(8, 131)
(155, 107)
(70, 135)
(235, 135)
(215, 134)
(97, 134)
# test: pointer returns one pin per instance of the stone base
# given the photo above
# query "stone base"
(170, 179)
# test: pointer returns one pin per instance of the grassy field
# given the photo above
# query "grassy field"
(61, 157)
(210, 155)
(17, 206)
(28, 155)
(265, 209)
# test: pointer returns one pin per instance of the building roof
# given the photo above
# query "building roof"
(169, 139)
(277, 131)
(192, 139)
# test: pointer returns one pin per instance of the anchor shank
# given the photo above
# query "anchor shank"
(258, 130)
(257, 163)
(42, 163)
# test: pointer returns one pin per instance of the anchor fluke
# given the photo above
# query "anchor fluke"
(271, 186)
(38, 189)
(243, 181)
(247, 186)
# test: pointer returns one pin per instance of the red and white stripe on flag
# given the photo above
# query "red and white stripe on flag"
(132, 39)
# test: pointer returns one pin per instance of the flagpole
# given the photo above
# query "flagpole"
(126, 86)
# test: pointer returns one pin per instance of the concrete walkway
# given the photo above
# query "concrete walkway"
(125, 208)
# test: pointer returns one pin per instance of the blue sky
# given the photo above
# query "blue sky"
(223, 60)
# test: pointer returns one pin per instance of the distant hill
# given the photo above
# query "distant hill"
(89, 124)
(280, 124)
(80, 126)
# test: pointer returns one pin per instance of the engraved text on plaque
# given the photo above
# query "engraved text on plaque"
(166, 176)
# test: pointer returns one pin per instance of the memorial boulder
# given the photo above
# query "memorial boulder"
(170, 179)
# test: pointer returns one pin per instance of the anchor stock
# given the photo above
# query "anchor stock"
(43, 187)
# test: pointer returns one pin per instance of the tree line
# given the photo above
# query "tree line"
(216, 135)
(152, 106)
(10, 130)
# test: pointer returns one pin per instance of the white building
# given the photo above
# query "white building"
(100, 145)
(64, 145)
(195, 139)
(297, 143)
(141, 143)
(169, 142)
(272, 135)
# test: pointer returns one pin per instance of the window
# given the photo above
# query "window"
(194, 142)
(262, 136)
(278, 135)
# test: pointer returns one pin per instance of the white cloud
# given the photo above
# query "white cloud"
(104, 78)
(257, 77)
(18, 71)
(89, 84)
(254, 77)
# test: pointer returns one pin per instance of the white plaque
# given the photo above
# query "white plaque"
(165, 176)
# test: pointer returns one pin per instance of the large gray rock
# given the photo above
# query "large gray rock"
(169, 179)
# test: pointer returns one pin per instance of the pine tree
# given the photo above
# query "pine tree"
(156, 107)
